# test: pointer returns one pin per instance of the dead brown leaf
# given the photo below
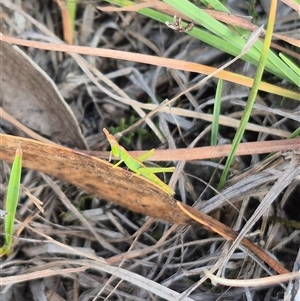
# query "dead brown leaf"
(29, 95)
(95, 176)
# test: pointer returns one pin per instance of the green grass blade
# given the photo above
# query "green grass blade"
(12, 198)
(219, 35)
(72, 6)
(215, 4)
(216, 114)
(295, 134)
(290, 63)
(274, 64)
(252, 95)
(215, 122)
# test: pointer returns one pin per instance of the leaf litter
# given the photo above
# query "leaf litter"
(116, 254)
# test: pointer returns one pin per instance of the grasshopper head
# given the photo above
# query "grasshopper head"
(115, 147)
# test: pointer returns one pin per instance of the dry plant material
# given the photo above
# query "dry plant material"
(134, 192)
(99, 174)
(293, 289)
(153, 60)
(67, 23)
(227, 18)
(95, 176)
(293, 4)
(38, 275)
(42, 97)
(219, 151)
(230, 234)
(265, 281)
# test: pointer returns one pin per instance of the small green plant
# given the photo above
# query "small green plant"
(123, 126)
(11, 202)
(252, 11)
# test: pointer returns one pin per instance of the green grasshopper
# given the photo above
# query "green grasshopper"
(136, 165)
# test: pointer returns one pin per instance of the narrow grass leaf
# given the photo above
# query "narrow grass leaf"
(252, 95)
(216, 114)
(72, 6)
(215, 4)
(274, 64)
(218, 35)
(290, 63)
(12, 198)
